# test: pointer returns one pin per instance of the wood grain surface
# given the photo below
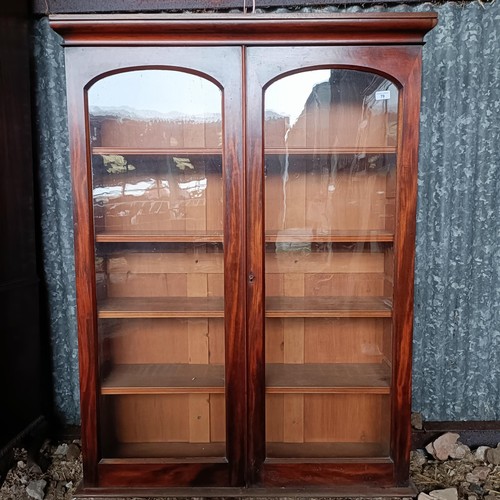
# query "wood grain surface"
(329, 419)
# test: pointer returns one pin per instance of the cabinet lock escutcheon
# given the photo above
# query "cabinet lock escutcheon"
(251, 277)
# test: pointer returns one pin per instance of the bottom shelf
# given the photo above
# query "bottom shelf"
(326, 450)
(333, 426)
(163, 426)
(216, 451)
(166, 450)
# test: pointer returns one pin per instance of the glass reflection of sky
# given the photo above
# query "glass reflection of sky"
(107, 193)
(288, 96)
(103, 193)
(193, 189)
(155, 93)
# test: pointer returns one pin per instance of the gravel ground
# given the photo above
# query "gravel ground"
(57, 470)
(473, 477)
(53, 476)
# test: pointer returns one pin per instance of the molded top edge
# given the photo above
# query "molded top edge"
(206, 29)
(235, 16)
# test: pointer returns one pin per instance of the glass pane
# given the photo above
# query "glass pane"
(330, 187)
(156, 139)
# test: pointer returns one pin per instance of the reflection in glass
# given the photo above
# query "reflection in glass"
(156, 139)
(330, 164)
(148, 107)
(329, 109)
(157, 196)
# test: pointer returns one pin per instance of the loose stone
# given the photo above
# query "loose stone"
(493, 455)
(481, 453)
(73, 452)
(478, 474)
(417, 421)
(418, 458)
(35, 489)
(62, 449)
(443, 446)
(446, 494)
(460, 451)
(424, 496)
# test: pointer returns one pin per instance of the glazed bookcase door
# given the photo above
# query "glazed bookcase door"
(162, 163)
(330, 178)
(326, 343)
(156, 138)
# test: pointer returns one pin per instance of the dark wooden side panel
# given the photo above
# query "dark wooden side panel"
(20, 363)
(84, 268)
(404, 256)
(20, 359)
(18, 258)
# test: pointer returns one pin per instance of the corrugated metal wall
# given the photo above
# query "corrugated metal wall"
(457, 320)
(457, 301)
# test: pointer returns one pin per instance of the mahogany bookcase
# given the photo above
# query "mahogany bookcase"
(245, 195)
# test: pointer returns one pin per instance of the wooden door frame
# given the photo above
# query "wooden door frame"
(401, 65)
(84, 67)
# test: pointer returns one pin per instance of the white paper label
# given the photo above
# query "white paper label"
(382, 95)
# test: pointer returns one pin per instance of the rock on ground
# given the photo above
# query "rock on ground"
(472, 476)
(418, 458)
(478, 474)
(480, 453)
(460, 451)
(443, 446)
(61, 449)
(492, 455)
(417, 422)
(446, 494)
(27, 480)
(35, 489)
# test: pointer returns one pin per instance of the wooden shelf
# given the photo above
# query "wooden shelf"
(348, 150)
(280, 379)
(164, 379)
(110, 150)
(158, 237)
(276, 307)
(217, 237)
(280, 451)
(180, 451)
(323, 451)
(328, 307)
(289, 236)
(332, 236)
(169, 307)
(328, 378)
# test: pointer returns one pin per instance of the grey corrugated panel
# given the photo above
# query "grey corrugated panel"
(56, 216)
